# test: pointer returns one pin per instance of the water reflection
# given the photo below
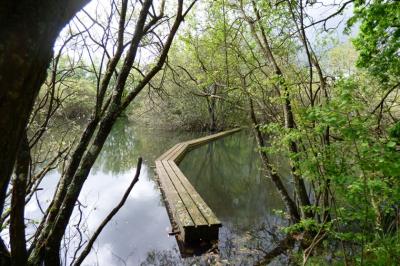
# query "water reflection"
(142, 225)
(127, 142)
(226, 173)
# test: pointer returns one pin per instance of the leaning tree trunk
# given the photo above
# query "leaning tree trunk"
(28, 31)
(19, 254)
(287, 200)
(47, 245)
(265, 45)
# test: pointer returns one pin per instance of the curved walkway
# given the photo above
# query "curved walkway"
(193, 221)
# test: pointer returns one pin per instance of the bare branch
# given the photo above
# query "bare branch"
(88, 247)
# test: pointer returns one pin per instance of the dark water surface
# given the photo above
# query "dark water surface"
(226, 173)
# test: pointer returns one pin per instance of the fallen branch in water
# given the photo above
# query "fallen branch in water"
(88, 247)
(282, 246)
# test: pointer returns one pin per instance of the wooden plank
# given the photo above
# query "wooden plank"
(165, 154)
(172, 196)
(179, 153)
(168, 152)
(206, 139)
(175, 152)
(201, 205)
(193, 143)
(175, 203)
(186, 208)
(190, 205)
(162, 156)
(214, 136)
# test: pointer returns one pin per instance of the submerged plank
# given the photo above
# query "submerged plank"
(175, 203)
(168, 152)
(179, 153)
(190, 205)
(201, 205)
(206, 139)
(194, 218)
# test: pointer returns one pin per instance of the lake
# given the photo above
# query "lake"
(226, 173)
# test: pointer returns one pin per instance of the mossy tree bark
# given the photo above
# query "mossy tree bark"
(46, 246)
(28, 32)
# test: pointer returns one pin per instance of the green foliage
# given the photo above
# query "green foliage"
(394, 132)
(362, 167)
(199, 82)
(345, 147)
(342, 60)
(307, 225)
(384, 251)
(378, 41)
(80, 101)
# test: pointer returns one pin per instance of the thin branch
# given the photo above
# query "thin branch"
(88, 247)
(384, 97)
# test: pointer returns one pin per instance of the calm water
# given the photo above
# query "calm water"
(227, 175)
(225, 172)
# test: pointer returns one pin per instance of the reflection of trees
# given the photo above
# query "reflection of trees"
(127, 142)
(120, 150)
(227, 174)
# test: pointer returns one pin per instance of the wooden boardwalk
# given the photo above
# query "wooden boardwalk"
(193, 221)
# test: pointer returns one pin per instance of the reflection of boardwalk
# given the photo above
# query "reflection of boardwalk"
(193, 220)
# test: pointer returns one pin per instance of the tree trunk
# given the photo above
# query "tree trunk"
(19, 253)
(211, 108)
(265, 46)
(28, 31)
(52, 243)
(46, 249)
(287, 200)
